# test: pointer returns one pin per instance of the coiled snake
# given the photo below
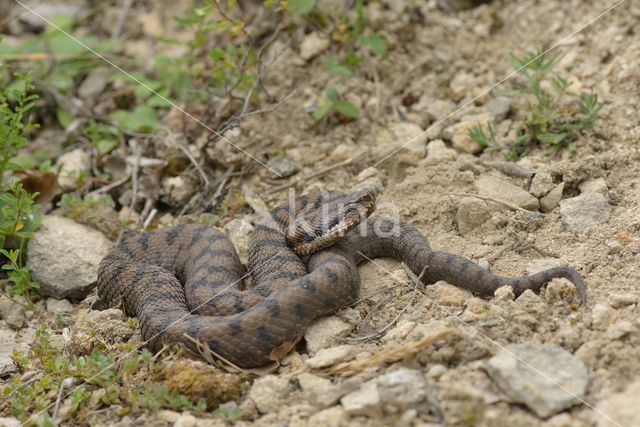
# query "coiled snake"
(188, 280)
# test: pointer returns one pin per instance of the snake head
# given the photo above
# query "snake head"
(321, 226)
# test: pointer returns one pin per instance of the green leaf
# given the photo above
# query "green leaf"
(551, 138)
(141, 119)
(346, 108)
(105, 146)
(331, 94)
(322, 110)
(334, 67)
(376, 43)
(64, 117)
(301, 7)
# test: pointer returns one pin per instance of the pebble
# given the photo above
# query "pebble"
(504, 293)
(602, 316)
(409, 136)
(71, 165)
(399, 332)
(324, 332)
(80, 247)
(10, 343)
(541, 264)
(584, 212)
(364, 401)
(439, 153)
(527, 386)
(439, 109)
(498, 107)
(622, 407)
(284, 165)
(94, 84)
(620, 300)
(313, 45)
(59, 306)
(331, 417)
(342, 152)
(373, 184)
(461, 85)
(269, 393)
(460, 138)
(597, 185)
(449, 295)
(541, 184)
(12, 312)
(496, 188)
(321, 392)
(44, 12)
(621, 329)
(240, 232)
(9, 422)
(471, 214)
(177, 190)
(331, 356)
(552, 199)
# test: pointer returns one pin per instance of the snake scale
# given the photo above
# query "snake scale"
(187, 281)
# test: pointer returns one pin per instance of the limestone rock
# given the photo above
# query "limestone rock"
(471, 213)
(499, 189)
(584, 212)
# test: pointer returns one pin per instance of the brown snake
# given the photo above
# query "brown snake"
(188, 280)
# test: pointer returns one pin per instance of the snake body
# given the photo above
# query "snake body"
(187, 281)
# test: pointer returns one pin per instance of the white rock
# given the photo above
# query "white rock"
(461, 84)
(552, 199)
(504, 293)
(64, 257)
(321, 392)
(9, 422)
(438, 109)
(284, 165)
(406, 389)
(399, 332)
(364, 401)
(619, 299)
(598, 185)
(621, 407)
(10, 343)
(342, 152)
(499, 189)
(324, 332)
(269, 393)
(541, 184)
(471, 214)
(584, 212)
(59, 306)
(449, 295)
(533, 389)
(240, 232)
(602, 316)
(373, 185)
(71, 165)
(620, 329)
(409, 136)
(313, 45)
(178, 189)
(331, 417)
(460, 138)
(12, 312)
(331, 356)
(439, 153)
(499, 107)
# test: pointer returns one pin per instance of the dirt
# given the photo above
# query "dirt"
(430, 50)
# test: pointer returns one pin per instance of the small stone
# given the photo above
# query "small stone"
(343, 152)
(12, 312)
(460, 138)
(321, 392)
(619, 300)
(439, 153)
(541, 264)
(552, 199)
(331, 417)
(499, 107)
(436, 371)
(169, 416)
(269, 393)
(471, 214)
(461, 84)
(504, 293)
(72, 165)
(584, 212)
(98, 328)
(81, 247)
(405, 389)
(496, 188)
(597, 185)
(284, 165)
(373, 185)
(527, 386)
(10, 343)
(41, 13)
(331, 356)
(59, 306)
(449, 295)
(409, 136)
(185, 420)
(439, 109)
(240, 233)
(602, 316)
(541, 184)
(324, 332)
(94, 84)
(178, 189)
(621, 329)
(9, 422)
(622, 407)
(364, 401)
(399, 332)
(313, 45)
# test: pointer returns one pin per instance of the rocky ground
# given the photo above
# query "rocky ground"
(406, 355)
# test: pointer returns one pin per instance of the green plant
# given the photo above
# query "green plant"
(86, 383)
(553, 115)
(331, 101)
